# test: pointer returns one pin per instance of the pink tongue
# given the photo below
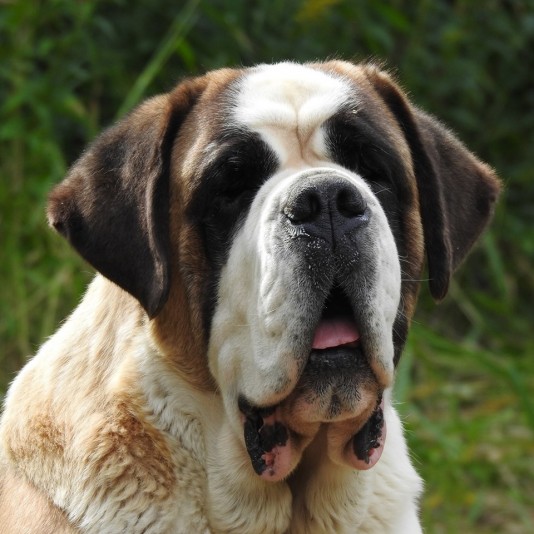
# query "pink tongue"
(335, 332)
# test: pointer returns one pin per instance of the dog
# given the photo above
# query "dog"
(260, 235)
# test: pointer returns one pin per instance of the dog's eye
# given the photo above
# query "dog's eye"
(236, 184)
(232, 194)
(234, 180)
(368, 170)
(232, 199)
(354, 152)
(231, 204)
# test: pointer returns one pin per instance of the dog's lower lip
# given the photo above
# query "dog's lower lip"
(365, 448)
(369, 435)
(347, 358)
(350, 345)
(266, 439)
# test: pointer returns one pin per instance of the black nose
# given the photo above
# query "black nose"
(327, 207)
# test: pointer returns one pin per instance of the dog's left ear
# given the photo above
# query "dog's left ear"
(457, 192)
(113, 206)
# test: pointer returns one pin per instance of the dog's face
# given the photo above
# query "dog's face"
(273, 222)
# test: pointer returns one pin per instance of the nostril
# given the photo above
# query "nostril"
(350, 203)
(306, 208)
(325, 206)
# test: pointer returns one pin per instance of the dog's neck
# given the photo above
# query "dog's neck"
(148, 422)
(229, 496)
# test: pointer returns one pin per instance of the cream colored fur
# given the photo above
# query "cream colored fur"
(99, 423)
(120, 424)
(104, 434)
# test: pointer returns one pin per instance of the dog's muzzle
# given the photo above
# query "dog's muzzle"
(320, 321)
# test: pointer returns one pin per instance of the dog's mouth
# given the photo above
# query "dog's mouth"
(327, 393)
(337, 327)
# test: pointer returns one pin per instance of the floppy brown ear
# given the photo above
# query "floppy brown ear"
(113, 206)
(457, 192)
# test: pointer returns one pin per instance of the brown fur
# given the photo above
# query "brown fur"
(92, 430)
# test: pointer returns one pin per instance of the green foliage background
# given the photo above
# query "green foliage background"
(68, 68)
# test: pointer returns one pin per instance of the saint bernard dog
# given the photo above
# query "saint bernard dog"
(260, 236)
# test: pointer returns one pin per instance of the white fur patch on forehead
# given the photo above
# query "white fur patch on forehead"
(289, 96)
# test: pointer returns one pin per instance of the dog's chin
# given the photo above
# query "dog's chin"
(338, 390)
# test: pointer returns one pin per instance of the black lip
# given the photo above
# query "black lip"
(335, 361)
(369, 435)
(335, 378)
(260, 438)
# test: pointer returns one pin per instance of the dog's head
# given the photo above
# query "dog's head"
(273, 223)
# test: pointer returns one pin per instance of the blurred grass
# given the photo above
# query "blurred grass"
(464, 387)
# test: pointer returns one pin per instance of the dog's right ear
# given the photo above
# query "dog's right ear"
(113, 206)
(457, 192)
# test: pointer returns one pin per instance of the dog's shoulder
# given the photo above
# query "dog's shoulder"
(79, 425)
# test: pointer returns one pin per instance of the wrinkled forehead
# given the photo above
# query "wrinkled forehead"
(285, 105)
(288, 95)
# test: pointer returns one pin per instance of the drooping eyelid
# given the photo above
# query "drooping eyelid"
(358, 144)
(239, 159)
